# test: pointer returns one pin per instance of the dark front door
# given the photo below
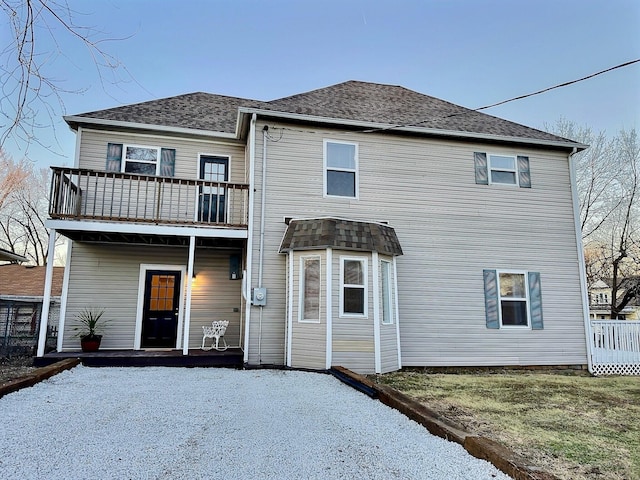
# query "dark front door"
(160, 313)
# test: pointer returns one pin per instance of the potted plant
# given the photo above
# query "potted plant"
(89, 320)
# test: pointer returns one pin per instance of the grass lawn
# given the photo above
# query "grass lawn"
(576, 427)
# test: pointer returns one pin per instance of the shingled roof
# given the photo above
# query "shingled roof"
(322, 233)
(353, 101)
(28, 281)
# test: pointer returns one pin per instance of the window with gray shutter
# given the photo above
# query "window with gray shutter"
(502, 169)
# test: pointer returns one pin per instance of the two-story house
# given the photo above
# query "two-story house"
(600, 299)
(362, 225)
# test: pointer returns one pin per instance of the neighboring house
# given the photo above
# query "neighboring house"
(362, 225)
(600, 303)
(21, 292)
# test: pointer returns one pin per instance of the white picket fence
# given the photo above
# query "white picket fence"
(615, 347)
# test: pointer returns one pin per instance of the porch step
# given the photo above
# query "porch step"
(135, 358)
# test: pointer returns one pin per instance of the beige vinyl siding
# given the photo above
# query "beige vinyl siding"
(352, 343)
(309, 340)
(215, 297)
(108, 276)
(450, 230)
(93, 151)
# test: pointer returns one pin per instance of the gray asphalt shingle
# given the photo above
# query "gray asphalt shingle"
(352, 101)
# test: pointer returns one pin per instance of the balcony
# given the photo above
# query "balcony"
(81, 194)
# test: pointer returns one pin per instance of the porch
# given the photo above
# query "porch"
(232, 357)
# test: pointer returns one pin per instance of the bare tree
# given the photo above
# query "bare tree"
(37, 28)
(623, 237)
(25, 199)
(608, 182)
(12, 176)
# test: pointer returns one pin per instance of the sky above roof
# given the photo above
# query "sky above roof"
(472, 53)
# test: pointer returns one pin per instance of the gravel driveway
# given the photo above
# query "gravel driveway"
(170, 423)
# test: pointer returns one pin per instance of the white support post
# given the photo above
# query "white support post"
(397, 310)
(290, 309)
(329, 305)
(46, 297)
(187, 309)
(375, 272)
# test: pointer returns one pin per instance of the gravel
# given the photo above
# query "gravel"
(170, 423)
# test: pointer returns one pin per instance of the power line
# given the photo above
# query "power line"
(467, 111)
(558, 86)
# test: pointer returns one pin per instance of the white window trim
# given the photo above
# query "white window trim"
(389, 266)
(326, 168)
(525, 298)
(515, 170)
(199, 177)
(125, 160)
(364, 261)
(301, 318)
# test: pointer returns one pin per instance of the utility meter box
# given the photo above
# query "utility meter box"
(259, 296)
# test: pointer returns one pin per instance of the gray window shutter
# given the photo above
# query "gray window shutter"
(491, 301)
(114, 157)
(167, 162)
(535, 301)
(482, 172)
(524, 176)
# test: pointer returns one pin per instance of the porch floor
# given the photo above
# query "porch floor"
(232, 357)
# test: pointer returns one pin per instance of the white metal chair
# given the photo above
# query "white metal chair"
(216, 331)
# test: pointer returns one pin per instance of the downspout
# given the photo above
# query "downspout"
(581, 262)
(247, 277)
(262, 228)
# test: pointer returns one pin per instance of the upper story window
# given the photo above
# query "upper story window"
(140, 159)
(340, 169)
(502, 169)
(144, 160)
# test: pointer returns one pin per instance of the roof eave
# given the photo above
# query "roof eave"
(74, 121)
(419, 130)
(7, 255)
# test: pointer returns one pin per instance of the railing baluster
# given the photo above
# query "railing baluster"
(83, 193)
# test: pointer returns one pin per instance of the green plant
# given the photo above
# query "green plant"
(89, 321)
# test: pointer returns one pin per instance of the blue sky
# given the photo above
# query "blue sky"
(469, 52)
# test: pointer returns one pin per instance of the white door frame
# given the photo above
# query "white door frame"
(141, 279)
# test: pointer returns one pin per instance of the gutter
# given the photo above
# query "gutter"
(75, 121)
(581, 262)
(384, 127)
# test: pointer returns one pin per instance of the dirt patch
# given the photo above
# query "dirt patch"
(15, 367)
